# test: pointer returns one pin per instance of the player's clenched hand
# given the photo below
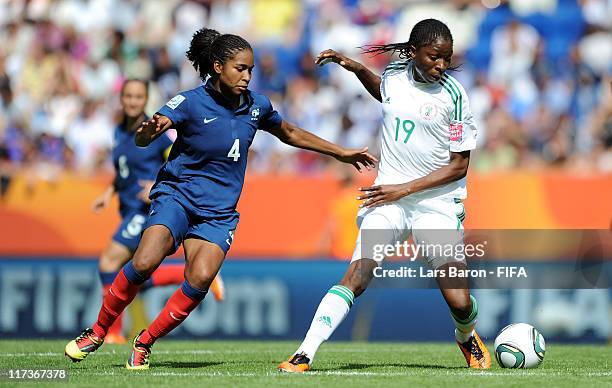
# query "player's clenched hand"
(381, 194)
(358, 158)
(102, 201)
(143, 195)
(333, 56)
(149, 129)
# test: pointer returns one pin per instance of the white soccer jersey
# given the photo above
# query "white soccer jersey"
(422, 124)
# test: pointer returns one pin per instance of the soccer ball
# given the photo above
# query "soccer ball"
(519, 345)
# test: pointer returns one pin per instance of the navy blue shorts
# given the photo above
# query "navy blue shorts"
(167, 210)
(130, 230)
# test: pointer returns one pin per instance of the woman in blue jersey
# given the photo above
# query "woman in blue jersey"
(136, 169)
(196, 192)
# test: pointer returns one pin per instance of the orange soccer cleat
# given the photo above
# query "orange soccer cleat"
(298, 363)
(218, 288)
(475, 353)
(114, 338)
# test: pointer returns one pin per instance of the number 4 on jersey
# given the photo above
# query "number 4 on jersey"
(234, 152)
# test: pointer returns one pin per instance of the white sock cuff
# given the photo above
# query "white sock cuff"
(344, 292)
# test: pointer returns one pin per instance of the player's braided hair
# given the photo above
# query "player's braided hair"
(208, 46)
(423, 33)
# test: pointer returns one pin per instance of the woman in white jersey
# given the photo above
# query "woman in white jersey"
(427, 135)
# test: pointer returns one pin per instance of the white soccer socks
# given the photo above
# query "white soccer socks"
(464, 328)
(332, 310)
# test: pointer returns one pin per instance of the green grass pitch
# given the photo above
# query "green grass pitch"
(338, 364)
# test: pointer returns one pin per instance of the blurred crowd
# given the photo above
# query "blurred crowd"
(537, 73)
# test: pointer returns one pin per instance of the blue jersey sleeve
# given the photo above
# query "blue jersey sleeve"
(177, 109)
(270, 117)
(164, 142)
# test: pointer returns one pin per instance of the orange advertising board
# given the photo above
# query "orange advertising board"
(288, 216)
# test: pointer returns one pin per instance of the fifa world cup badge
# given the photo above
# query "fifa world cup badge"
(456, 131)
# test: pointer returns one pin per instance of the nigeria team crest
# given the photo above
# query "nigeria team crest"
(428, 111)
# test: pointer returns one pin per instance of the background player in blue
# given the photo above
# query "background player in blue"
(194, 198)
(136, 169)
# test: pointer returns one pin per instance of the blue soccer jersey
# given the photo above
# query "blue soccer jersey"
(206, 167)
(133, 164)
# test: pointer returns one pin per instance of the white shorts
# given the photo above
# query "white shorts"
(435, 221)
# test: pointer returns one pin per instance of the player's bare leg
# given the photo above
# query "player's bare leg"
(202, 265)
(172, 274)
(358, 276)
(155, 244)
(331, 312)
(114, 256)
(464, 311)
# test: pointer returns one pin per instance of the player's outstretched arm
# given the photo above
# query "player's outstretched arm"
(380, 194)
(367, 78)
(300, 138)
(151, 129)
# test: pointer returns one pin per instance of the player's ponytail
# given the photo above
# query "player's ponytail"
(423, 33)
(208, 46)
(199, 51)
(376, 49)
